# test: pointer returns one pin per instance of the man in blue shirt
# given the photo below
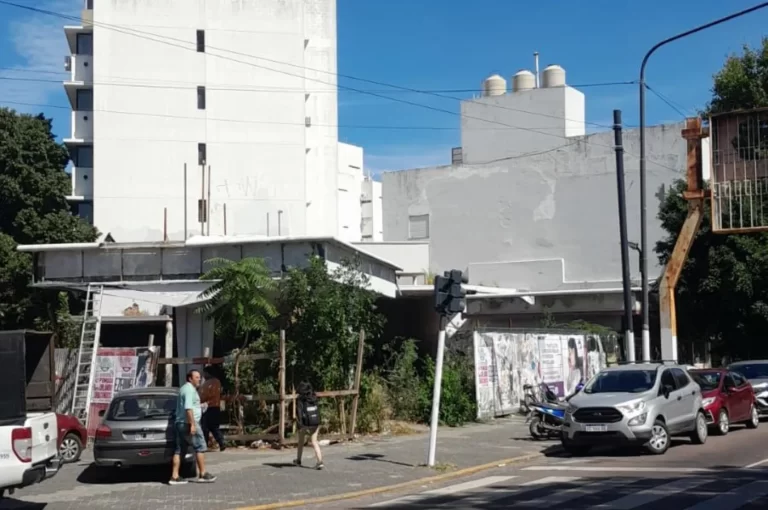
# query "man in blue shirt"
(188, 431)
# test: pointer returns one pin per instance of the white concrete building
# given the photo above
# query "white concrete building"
(241, 94)
(530, 204)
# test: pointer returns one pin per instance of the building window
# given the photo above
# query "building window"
(201, 154)
(418, 226)
(82, 156)
(84, 99)
(201, 98)
(85, 211)
(84, 44)
(201, 41)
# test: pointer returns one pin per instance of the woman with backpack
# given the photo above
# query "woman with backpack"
(308, 414)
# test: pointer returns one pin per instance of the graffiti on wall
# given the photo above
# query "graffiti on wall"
(505, 362)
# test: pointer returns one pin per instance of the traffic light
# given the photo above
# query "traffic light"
(449, 295)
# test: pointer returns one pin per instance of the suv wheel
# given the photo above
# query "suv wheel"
(659, 442)
(754, 418)
(723, 424)
(699, 433)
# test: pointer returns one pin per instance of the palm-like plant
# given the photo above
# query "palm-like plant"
(239, 301)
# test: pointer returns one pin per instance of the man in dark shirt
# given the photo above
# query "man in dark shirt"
(210, 396)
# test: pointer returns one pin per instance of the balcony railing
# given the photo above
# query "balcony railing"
(81, 68)
(82, 182)
(82, 125)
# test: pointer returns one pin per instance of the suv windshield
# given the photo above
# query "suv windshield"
(622, 381)
(142, 407)
(756, 371)
(707, 380)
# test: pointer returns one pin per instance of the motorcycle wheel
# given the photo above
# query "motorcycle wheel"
(534, 428)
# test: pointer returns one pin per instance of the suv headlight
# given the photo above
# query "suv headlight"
(632, 408)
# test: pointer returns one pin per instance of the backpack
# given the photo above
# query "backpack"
(309, 413)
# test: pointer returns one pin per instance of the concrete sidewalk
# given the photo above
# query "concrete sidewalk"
(248, 477)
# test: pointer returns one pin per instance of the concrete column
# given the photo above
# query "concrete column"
(169, 353)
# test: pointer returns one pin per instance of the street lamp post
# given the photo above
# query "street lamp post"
(643, 202)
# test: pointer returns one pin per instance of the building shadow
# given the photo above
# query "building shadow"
(679, 491)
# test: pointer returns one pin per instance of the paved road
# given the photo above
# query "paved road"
(264, 477)
(727, 473)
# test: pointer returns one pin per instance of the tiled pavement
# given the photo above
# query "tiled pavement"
(248, 477)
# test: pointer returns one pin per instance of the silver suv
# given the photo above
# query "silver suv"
(640, 404)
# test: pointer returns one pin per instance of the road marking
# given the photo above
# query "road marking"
(736, 498)
(573, 461)
(559, 496)
(398, 501)
(643, 497)
(466, 486)
(551, 479)
(445, 491)
(755, 464)
(620, 469)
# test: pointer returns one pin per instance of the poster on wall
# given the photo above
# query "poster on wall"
(575, 368)
(551, 363)
(484, 375)
(504, 368)
(116, 370)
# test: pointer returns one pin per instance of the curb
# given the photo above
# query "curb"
(389, 488)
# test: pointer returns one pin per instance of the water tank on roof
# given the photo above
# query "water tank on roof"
(553, 76)
(494, 86)
(523, 80)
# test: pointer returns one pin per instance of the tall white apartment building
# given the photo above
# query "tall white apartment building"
(240, 93)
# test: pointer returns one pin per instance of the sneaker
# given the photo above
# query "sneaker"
(319, 466)
(296, 462)
(176, 481)
(206, 478)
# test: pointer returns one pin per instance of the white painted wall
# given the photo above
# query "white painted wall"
(263, 158)
(516, 123)
(534, 206)
(372, 223)
(350, 182)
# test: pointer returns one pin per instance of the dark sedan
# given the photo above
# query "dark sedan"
(137, 429)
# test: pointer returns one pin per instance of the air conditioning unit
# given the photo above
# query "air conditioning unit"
(67, 64)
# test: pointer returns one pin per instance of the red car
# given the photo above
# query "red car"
(72, 437)
(728, 398)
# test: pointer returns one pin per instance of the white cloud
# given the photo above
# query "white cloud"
(39, 42)
(403, 158)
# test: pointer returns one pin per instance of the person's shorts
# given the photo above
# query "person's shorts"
(184, 440)
(309, 430)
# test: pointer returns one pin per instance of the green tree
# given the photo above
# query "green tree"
(742, 83)
(33, 187)
(324, 313)
(722, 294)
(240, 303)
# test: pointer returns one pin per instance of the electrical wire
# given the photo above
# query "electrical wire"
(244, 121)
(225, 86)
(154, 38)
(188, 46)
(669, 102)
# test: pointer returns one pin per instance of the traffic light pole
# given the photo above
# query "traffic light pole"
(436, 390)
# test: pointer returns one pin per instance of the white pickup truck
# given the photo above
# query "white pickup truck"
(29, 442)
(29, 451)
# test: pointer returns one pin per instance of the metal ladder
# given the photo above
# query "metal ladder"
(89, 344)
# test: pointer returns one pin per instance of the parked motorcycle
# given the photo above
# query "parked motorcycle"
(530, 398)
(546, 418)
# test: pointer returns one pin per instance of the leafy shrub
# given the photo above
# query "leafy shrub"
(374, 407)
(404, 383)
(457, 395)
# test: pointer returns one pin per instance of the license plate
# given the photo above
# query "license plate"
(597, 428)
(144, 437)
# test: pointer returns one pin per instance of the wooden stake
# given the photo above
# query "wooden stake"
(281, 376)
(225, 219)
(358, 376)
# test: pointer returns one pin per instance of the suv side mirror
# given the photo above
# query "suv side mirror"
(666, 390)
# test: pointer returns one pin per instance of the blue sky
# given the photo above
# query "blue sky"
(453, 44)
